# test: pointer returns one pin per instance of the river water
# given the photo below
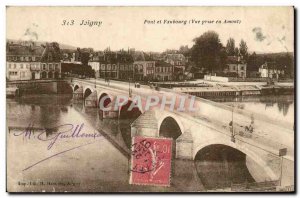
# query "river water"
(279, 107)
(100, 162)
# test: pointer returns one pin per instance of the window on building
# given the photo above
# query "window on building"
(13, 73)
(21, 58)
(56, 66)
(15, 66)
(242, 68)
(44, 66)
(9, 65)
(50, 66)
(21, 66)
(33, 58)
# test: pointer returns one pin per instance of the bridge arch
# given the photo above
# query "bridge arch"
(75, 87)
(107, 101)
(249, 153)
(170, 128)
(88, 87)
(126, 113)
(171, 120)
(87, 91)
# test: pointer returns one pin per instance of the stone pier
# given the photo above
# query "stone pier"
(78, 94)
(184, 146)
(91, 100)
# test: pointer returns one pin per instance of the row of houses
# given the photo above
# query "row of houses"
(236, 66)
(133, 65)
(27, 61)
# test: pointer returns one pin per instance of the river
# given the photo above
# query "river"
(100, 163)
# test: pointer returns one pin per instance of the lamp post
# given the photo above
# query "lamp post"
(71, 76)
(129, 89)
(95, 79)
(232, 130)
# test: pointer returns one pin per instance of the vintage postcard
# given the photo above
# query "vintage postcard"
(150, 99)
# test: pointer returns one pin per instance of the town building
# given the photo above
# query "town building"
(270, 70)
(70, 56)
(144, 66)
(50, 61)
(163, 71)
(116, 65)
(236, 67)
(125, 62)
(23, 61)
(94, 62)
(27, 61)
(178, 61)
(109, 65)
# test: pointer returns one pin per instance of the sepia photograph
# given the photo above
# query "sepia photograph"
(182, 99)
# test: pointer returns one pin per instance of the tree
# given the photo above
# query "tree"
(243, 49)
(253, 62)
(85, 55)
(236, 51)
(184, 50)
(230, 47)
(206, 51)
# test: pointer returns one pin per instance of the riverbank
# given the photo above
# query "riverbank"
(49, 86)
(217, 90)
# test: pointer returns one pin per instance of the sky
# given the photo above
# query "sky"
(265, 29)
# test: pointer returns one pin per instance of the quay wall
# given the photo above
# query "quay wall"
(37, 87)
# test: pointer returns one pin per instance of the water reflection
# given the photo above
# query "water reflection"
(278, 107)
(220, 166)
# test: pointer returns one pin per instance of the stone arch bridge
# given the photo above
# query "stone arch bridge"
(211, 125)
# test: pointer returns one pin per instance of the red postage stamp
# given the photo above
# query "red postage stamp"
(151, 161)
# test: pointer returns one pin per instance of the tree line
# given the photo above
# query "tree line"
(210, 54)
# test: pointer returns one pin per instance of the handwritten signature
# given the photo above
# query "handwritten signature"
(64, 131)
